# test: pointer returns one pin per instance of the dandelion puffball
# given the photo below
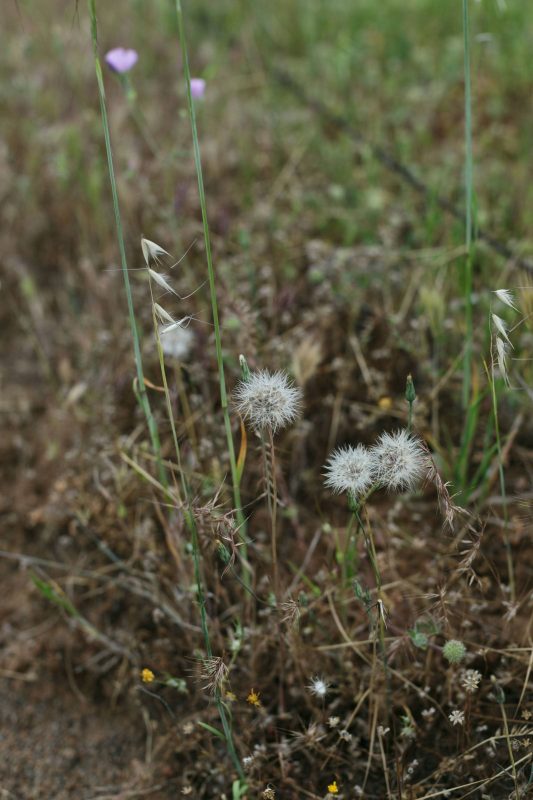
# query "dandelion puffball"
(318, 687)
(350, 469)
(268, 401)
(399, 460)
(176, 343)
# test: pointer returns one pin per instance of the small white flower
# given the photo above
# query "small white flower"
(506, 297)
(333, 721)
(318, 687)
(176, 343)
(346, 736)
(350, 469)
(268, 401)
(399, 460)
(457, 717)
(470, 680)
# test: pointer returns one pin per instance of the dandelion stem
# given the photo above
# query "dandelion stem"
(213, 295)
(141, 388)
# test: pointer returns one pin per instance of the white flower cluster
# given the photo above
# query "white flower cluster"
(397, 461)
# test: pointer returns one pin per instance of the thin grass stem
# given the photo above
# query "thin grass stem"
(141, 387)
(213, 296)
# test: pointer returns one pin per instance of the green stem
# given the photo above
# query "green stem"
(469, 171)
(143, 396)
(510, 568)
(213, 295)
(190, 521)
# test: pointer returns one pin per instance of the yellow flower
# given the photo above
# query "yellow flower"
(333, 788)
(385, 403)
(147, 675)
(230, 697)
(253, 698)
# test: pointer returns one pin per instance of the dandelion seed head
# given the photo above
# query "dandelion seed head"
(121, 59)
(176, 343)
(350, 469)
(318, 687)
(268, 401)
(399, 460)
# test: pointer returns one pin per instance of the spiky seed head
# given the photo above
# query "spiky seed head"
(399, 460)
(350, 469)
(454, 651)
(268, 401)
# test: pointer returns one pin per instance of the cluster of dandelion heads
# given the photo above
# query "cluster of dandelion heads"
(399, 460)
(268, 401)
(350, 469)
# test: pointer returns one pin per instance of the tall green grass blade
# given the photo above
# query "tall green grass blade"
(141, 388)
(213, 294)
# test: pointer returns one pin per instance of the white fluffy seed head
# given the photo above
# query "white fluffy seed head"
(350, 469)
(400, 460)
(177, 342)
(318, 687)
(268, 401)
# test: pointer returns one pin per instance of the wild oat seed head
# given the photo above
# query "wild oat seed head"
(318, 687)
(399, 460)
(350, 469)
(506, 297)
(454, 651)
(502, 353)
(268, 401)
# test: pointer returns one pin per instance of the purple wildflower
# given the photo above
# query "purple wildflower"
(121, 60)
(197, 88)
